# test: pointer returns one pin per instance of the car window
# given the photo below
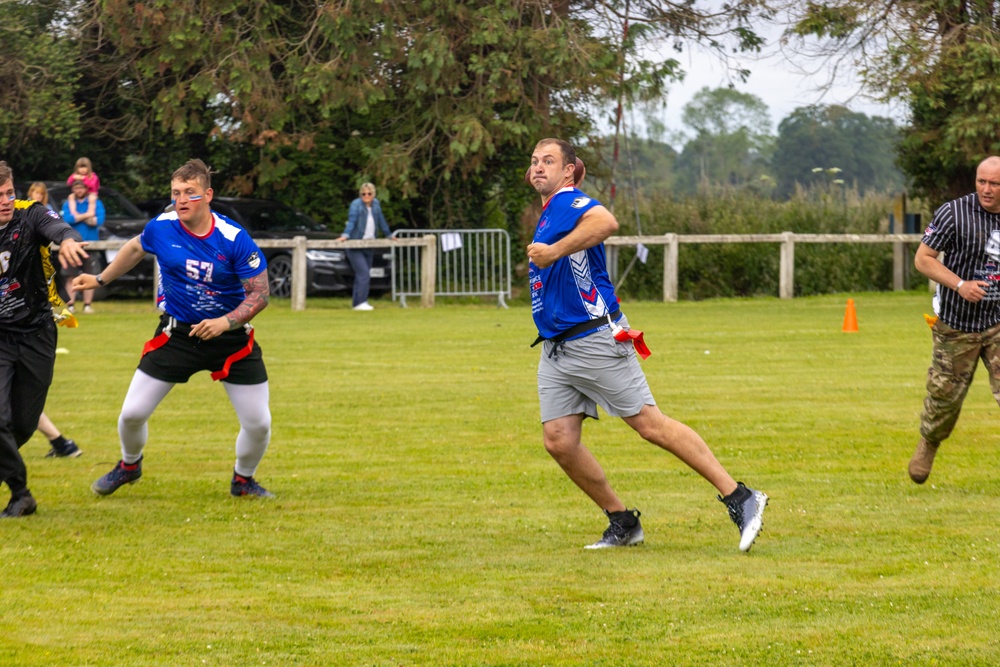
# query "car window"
(116, 207)
(230, 212)
(275, 217)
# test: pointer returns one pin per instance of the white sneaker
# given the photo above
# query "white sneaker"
(617, 535)
(364, 305)
(88, 310)
(748, 515)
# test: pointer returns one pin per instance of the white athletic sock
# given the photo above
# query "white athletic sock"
(144, 394)
(251, 404)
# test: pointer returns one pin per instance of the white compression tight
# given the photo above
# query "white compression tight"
(249, 400)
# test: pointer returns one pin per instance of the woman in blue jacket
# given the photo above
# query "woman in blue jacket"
(363, 220)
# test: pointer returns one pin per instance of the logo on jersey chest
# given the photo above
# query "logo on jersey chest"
(993, 245)
(8, 285)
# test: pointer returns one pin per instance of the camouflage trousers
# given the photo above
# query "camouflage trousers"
(956, 356)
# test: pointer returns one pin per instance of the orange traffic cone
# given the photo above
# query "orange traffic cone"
(850, 318)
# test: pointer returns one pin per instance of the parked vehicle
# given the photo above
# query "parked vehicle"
(327, 271)
(122, 221)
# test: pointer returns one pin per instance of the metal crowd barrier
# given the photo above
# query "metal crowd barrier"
(470, 262)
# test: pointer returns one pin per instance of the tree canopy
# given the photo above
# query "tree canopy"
(815, 139)
(941, 58)
(731, 140)
(437, 101)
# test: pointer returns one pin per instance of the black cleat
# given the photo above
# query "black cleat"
(624, 530)
(21, 505)
(120, 475)
(746, 509)
(247, 486)
(68, 451)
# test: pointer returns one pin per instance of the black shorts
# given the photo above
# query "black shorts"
(177, 358)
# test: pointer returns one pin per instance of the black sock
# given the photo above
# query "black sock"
(59, 442)
(627, 518)
(739, 495)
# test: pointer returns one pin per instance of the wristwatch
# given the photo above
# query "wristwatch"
(100, 280)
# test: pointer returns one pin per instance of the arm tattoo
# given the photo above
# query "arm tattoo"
(258, 292)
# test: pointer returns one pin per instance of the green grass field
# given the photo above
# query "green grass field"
(419, 521)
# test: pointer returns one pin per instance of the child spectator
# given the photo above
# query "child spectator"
(84, 171)
(86, 218)
(40, 194)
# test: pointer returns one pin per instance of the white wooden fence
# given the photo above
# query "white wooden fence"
(786, 281)
(671, 243)
(299, 245)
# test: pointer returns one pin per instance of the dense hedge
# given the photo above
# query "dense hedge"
(745, 269)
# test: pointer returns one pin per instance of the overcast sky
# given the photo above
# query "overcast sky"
(782, 84)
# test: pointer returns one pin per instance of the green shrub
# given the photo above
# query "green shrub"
(752, 269)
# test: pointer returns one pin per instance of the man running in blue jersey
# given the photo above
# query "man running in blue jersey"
(214, 281)
(583, 364)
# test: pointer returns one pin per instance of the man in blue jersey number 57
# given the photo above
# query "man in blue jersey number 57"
(584, 364)
(213, 281)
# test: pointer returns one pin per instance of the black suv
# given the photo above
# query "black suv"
(327, 271)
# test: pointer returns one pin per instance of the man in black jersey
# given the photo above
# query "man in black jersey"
(967, 231)
(27, 330)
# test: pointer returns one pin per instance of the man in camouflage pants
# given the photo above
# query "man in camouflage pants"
(967, 231)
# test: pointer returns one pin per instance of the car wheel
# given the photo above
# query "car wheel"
(279, 274)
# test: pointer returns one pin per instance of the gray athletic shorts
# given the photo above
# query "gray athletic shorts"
(590, 371)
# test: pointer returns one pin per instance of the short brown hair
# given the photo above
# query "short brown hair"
(567, 150)
(194, 170)
(6, 173)
(84, 162)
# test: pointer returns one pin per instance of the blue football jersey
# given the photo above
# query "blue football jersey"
(201, 276)
(576, 288)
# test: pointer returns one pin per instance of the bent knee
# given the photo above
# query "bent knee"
(651, 424)
(560, 448)
(259, 431)
(258, 425)
(133, 418)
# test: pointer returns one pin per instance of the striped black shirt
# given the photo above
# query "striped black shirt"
(969, 237)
